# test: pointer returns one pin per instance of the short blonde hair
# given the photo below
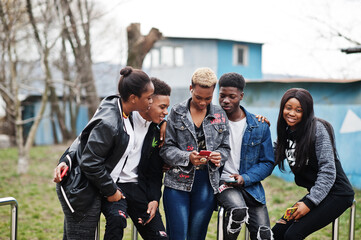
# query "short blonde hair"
(204, 77)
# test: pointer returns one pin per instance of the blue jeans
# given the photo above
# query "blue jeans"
(188, 213)
(240, 207)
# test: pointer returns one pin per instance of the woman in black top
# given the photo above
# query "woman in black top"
(308, 145)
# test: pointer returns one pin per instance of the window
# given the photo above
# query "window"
(178, 56)
(155, 58)
(240, 55)
(165, 56)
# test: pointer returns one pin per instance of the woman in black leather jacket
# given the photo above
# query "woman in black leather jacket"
(96, 157)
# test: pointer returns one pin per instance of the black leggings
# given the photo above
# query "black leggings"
(326, 212)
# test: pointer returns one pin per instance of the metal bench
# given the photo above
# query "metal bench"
(14, 215)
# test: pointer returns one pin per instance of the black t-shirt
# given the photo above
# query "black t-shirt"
(201, 140)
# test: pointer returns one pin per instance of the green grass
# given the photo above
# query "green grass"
(40, 215)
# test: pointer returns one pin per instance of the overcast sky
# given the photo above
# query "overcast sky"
(297, 35)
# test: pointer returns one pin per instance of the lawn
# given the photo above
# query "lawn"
(40, 215)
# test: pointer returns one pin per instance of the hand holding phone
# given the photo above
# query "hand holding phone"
(205, 154)
(231, 180)
(64, 171)
(144, 219)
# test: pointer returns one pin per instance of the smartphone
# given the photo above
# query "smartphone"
(231, 180)
(204, 153)
(289, 212)
(64, 171)
(145, 219)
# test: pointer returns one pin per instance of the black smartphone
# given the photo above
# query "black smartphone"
(145, 218)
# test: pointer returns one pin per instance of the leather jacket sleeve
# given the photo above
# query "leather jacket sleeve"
(99, 145)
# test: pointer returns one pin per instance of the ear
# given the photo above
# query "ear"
(132, 98)
(190, 88)
(242, 95)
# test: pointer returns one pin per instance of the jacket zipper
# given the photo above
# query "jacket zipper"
(62, 189)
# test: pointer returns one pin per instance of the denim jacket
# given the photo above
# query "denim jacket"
(257, 157)
(181, 140)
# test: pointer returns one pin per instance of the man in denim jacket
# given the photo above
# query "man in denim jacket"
(251, 160)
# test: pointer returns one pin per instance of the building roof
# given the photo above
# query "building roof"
(212, 38)
(106, 77)
(294, 80)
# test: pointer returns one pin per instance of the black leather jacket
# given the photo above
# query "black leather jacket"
(102, 144)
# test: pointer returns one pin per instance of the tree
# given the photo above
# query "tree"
(9, 15)
(71, 89)
(12, 16)
(139, 45)
(44, 50)
(77, 32)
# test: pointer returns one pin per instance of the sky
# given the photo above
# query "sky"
(297, 35)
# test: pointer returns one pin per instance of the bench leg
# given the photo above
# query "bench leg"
(246, 233)
(351, 233)
(335, 229)
(220, 224)
(134, 232)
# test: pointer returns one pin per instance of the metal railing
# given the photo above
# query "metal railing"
(14, 215)
(351, 230)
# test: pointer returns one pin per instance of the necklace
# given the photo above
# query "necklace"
(125, 115)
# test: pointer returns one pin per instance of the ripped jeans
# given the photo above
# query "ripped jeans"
(240, 207)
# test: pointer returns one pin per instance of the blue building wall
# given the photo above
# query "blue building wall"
(338, 103)
(197, 53)
(253, 69)
(216, 54)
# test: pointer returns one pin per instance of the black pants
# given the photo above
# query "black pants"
(326, 212)
(78, 227)
(135, 205)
